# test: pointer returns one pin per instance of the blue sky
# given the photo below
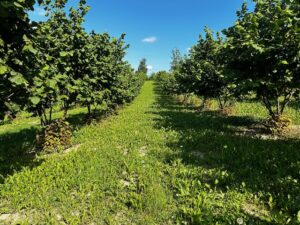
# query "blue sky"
(153, 28)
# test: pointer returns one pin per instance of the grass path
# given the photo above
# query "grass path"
(110, 178)
(158, 163)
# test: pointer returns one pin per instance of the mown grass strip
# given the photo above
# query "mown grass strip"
(158, 162)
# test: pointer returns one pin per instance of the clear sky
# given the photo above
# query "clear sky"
(153, 28)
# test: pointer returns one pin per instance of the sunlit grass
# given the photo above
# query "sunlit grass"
(156, 162)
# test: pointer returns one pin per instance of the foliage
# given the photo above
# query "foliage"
(203, 73)
(252, 58)
(14, 25)
(143, 67)
(166, 81)
(57, 63)
(86, 66)
(50, 83)
(180, 74)
(258, 52)
(16, 29)
(176, 60)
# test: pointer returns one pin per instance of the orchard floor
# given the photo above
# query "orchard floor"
(156, 162)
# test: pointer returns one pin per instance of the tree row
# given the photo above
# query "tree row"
(57, 63)
(258, 56)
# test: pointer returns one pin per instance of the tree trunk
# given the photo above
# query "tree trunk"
(221, 105)
(89, 109)
(66, 107)
(50, 114)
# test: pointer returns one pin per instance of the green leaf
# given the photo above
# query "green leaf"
(18, 5)
(63, 54)
(51, 84)
(3, 69)
(60, 77)
(35, 100)
(45, 68)
(64, 97)
(25, 38)
(284, 62)
(17, 79)
(29, 48)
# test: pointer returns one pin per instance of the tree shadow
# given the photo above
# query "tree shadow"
(209, 140)
(17, 151)
(18, 148)
(295, 105)
(76, 120)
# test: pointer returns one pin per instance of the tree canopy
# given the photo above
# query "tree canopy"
(259, 55)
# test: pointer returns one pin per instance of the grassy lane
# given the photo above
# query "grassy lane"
(157, 162)
(111, 178)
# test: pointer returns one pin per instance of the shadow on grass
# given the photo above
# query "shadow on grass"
(209, 140)
(295, 105)
(76, 120)
(17, 149)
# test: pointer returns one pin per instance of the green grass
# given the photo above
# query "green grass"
(156, 162)
(18, 140)
(252, 108)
